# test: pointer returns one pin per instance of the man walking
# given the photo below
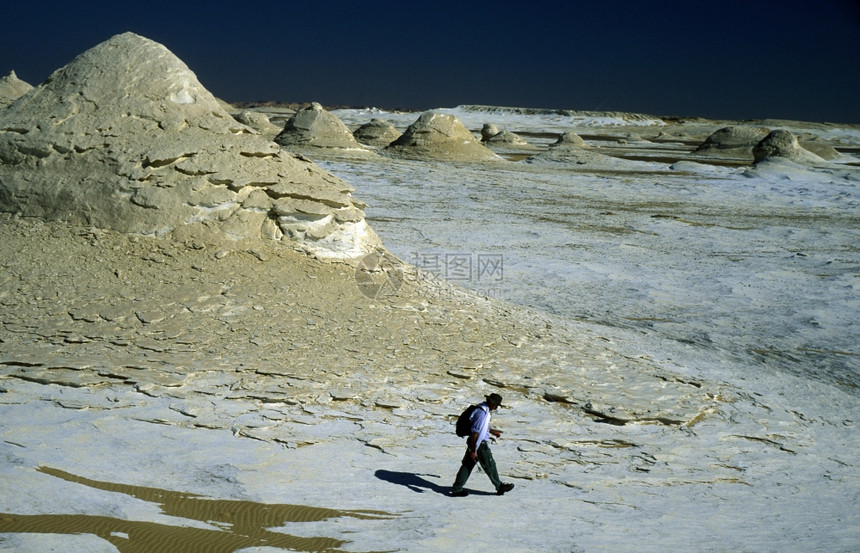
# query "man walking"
(478, 450)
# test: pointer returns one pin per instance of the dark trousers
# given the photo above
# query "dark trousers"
(485, 457)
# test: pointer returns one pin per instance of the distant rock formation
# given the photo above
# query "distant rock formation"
(783, 144)
(439, 136)
(741, 138)
(259, 122)
(506, 138)
(315, 127)
(12, 88)
(126, 138)
(820, 148)
(569, 140)
(488, 131)
(378, 132)
(571, 149)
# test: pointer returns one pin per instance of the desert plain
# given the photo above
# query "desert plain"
(251, 328)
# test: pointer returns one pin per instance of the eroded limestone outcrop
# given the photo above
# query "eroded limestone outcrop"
(439, 136)
(378, 132)
(12, 88)
(571, 150)
(317, 128)
(783, 144)
(488, 131)
(735, 141)
(259, 122)
(126, 138)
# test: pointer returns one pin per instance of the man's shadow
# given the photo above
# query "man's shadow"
(416, 483)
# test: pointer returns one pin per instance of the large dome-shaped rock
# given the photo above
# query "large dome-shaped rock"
(12, 88)
(439, 136)
(378, 132)
(739, 138)
(126, 138)
(783, 144)
(317, 128)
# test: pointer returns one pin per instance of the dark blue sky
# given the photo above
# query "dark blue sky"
(726, 59)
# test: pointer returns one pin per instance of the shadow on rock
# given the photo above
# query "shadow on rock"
(413, 481)
(416, 483)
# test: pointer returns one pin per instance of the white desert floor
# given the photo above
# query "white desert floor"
(740, 282)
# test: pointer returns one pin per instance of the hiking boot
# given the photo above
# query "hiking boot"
(504, 488)
(460, 493)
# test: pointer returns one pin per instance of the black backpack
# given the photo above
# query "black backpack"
(464, 425)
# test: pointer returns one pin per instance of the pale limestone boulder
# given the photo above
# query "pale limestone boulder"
(740, 138)
(259, 122)
(820, 148)
(488, 131)
(317, 128)
(439, 136)
(783, 144)
(126, 138)
(572, 151)
(12, 88)
(569, 140)
(378, 132)
(507, 138)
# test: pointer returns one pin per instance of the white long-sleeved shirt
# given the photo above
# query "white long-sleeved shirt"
(481, 423)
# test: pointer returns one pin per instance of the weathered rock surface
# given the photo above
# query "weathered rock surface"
(262, 324)
(315, 127)
(259, 122)
(783, 144)
(12, 88)
(571, 149)
(488, 131)
(569, 140)
(820, 148)
(439, 136)
(126, 138)
(739, 137)
(506, 138)
(378, 132)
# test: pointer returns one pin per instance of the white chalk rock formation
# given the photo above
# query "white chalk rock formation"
(741, 138)
(258, 121)
(507, 138)
(820, 148)
(317, 128)
(378, 132)
(12, 88)
(570, 149)
(783, 144)
(569, 141)
(488, 131)
(126, 138)
(439, 136)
